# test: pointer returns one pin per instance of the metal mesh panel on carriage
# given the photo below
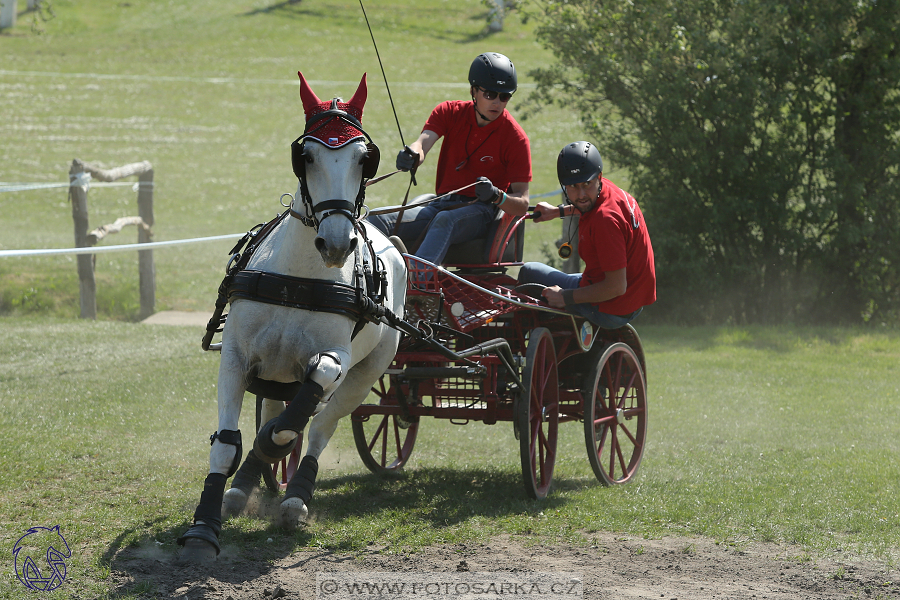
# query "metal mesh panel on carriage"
(465, 306)
(476, 308)
(453, 396)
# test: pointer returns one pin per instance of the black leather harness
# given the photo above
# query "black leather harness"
(362, 302)
(296, 292)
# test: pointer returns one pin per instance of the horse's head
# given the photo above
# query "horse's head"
(332, 161)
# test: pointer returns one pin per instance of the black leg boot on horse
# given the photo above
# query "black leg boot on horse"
(253, 470)
(201, 541)
(294, 507)
(245, 481)
(300, 410)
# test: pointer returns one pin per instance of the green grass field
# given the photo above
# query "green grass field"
(755, 435)
(208, 93)
(783, 435)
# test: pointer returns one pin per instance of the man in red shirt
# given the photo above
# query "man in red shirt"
(485, 152)
(619, 277)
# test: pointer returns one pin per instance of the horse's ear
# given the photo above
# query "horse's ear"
(309, 98)
(359, 98)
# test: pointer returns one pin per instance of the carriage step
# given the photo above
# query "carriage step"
(443, 372)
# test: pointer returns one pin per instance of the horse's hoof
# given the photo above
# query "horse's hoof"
(294, 513)
(268, 451)
(201, 544)
(234, 502)
(196, 551)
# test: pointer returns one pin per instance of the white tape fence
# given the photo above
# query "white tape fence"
(81, 177)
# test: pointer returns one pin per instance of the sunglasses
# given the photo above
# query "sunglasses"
(491, 95)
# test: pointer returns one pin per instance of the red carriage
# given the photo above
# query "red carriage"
(485, 349)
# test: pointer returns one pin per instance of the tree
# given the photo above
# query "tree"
(761, 137)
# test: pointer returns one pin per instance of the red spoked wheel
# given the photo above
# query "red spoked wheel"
(384, 442)
(277, 477)
(537, 413)
(615, 415)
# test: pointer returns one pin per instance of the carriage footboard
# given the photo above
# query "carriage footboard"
(500, 347)
(443, 372)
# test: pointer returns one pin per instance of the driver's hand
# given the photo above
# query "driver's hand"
(407, 160)
(486, 191)
(554, 297)
(545, 212)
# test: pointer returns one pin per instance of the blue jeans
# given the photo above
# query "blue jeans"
(535, 272)
(443, 225)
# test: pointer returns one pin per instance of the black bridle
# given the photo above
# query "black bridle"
(351, 210)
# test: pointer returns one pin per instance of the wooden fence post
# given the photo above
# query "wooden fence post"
(146, 267)
(7, 13)
(496, 14)
(78, 187)
(80, 176)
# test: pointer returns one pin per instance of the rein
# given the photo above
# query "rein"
(382, 178)
(392, 209)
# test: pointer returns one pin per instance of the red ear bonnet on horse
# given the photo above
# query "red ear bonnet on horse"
(334, 132)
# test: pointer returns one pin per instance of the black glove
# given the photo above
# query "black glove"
(407, 160)
(486, 191)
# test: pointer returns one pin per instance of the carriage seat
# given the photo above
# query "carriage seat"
(503, 245)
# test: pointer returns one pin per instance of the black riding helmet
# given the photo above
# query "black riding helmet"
(494, 72)
(578, 162)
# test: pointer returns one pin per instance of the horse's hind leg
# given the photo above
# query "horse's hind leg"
(245, 481)
(248, 476)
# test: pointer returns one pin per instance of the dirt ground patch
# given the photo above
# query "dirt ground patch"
(612, 567)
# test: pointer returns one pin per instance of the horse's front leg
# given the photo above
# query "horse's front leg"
(201, 541)
(294, 506)
(277, 438)
(354, 388)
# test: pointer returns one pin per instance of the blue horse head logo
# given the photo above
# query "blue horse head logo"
(40, 558)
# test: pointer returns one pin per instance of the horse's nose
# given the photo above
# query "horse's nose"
(335, 255)
(322, 245)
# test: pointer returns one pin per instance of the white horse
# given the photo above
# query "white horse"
(285, 327)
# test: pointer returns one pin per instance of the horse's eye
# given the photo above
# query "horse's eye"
(308, 158)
